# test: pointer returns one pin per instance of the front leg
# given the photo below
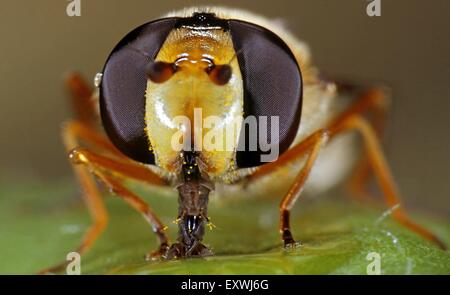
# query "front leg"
(313, 144)
(350, 122)
(106, 170)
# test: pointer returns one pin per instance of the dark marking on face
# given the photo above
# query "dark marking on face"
(220, 74)
(160, 71)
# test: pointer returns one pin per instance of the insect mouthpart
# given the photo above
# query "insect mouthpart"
(193, 196)
(192, 222)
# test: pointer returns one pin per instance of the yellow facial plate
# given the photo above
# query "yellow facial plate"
(191, 88)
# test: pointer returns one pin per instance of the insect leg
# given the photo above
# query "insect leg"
(382, 172)
(370, 99)
(350, 122)
(76, 131)
(82, 95)
(97, 161)
(374, 99)
(93, 200)
(73, 132)
(318, 140)
(106, 169)
(138, 204)
(375, 102)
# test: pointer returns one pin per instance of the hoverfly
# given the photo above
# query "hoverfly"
(232, 65)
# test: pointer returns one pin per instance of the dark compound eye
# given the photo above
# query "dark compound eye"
(220, 74)
(122, 90)
(160, 71)
(272, 84)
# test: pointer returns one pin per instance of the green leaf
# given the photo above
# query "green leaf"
(40, 224)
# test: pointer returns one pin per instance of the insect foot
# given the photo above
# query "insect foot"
(180, 250)
(292, 246)
(289, 242)
(157, 254)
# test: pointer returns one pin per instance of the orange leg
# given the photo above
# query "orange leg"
(318, 140)
(350, 120)
(115, 166)
(383, 174)
(368, 100)
(93, 200)
(313, 143)
(82, 97)
(73, 133)
(356, 184)
(376, 103)
(107, 170)
(83, 104)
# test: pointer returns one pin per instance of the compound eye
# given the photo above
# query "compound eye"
(220, 74)
(122, 89)
(272, 85)
(160, 71)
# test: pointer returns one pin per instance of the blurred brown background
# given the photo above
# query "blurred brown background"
(408, 46)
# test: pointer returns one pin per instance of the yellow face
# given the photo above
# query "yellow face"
(214, 111)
